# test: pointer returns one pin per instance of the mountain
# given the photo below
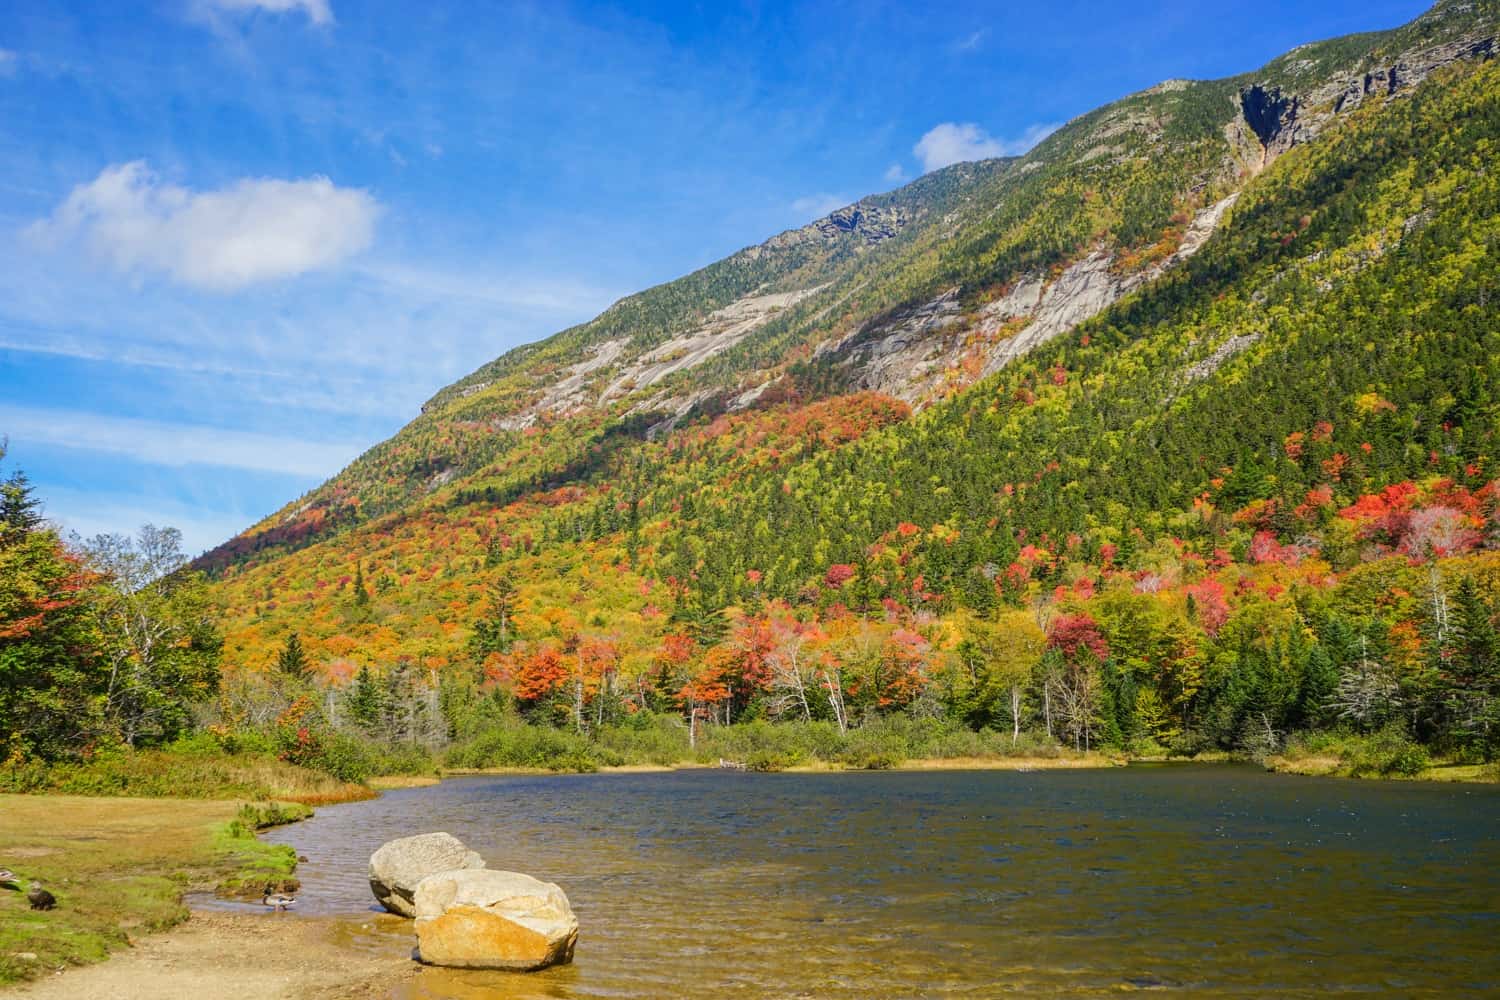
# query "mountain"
(1185, 348)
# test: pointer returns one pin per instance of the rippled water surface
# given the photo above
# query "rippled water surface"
(1203, 879)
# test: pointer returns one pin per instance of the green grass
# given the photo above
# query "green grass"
(1389, 753)
(181, 773)
(119, 868)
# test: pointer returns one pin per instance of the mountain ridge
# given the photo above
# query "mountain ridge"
(912, 344)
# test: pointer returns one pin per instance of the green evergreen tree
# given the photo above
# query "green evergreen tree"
(493, 632)
(292, 662)
(365, 701)
(20, 510)
(361, 595)
(1471, 682)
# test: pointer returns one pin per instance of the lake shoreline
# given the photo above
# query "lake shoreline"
(121, 869)
(1331, 766)
(213, 954)
(1018, 763)
(209, 952)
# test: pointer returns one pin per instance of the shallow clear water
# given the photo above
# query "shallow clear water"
(1182, 878)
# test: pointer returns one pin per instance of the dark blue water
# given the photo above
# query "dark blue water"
(1184, 879)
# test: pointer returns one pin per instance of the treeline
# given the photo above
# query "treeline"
(103, 643)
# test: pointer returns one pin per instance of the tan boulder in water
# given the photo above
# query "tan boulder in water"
(483, 919)
(397, 867)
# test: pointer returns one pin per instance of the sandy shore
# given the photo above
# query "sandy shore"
(245, 955)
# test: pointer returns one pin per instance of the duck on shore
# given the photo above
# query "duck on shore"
(40, 898)
(279, 901)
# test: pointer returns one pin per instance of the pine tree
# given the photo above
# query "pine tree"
(1476, 648)
(361, 595)
(1320, 679)
(1472, 682)
(292, 661)
(365, 701)
(492, 633)
(20, 510)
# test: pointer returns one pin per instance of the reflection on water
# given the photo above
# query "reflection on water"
(961, 884)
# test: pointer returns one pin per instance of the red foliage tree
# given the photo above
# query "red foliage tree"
(1074, 633)
(838, 574)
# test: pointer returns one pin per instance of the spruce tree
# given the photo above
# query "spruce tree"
(366, 700)
(492, 633)
(361, 595)
(1472, 680)
(1476, 649)
(20, 510)
(292, 661)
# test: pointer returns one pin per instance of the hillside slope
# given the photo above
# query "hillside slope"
(1201, 389)
(915, 294)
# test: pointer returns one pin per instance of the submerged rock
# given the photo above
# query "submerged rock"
(482, 919)
(397, 867)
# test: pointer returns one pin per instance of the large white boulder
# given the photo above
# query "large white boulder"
(482, 919)
(397, 867)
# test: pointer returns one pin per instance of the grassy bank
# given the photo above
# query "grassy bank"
(182, 773)
(1386, 754)
(120, 867)
(662, 741)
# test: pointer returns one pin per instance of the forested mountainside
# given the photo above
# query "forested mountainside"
(1178, 429)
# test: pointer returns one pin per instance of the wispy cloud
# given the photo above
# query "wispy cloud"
(8, 61)
(257, 229)
(815, 206)
(895, 173)
(971, 42)
(174, 445)
(960, 142)
(317, 11)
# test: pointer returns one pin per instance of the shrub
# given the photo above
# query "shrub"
(515, 744)
(876, 746)
(644, 738)
(1388, 752)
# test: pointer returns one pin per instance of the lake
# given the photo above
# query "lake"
(1176, 878)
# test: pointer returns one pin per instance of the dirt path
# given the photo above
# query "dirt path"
(261, 956)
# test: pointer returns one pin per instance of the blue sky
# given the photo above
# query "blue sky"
(243, 240)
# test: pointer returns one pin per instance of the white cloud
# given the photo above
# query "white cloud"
(895, 173)
(253, 230)
(317, 11)
(815, 206)
(173, 445)
(971, 42)
(954, 142)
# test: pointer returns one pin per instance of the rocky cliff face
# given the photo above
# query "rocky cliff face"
(921, 354)
(1280, 119)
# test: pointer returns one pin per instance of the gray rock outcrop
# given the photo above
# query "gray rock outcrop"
(398, 866)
